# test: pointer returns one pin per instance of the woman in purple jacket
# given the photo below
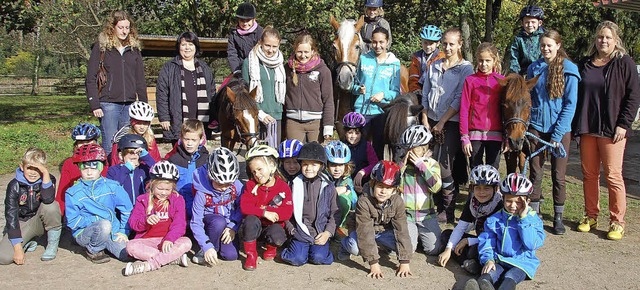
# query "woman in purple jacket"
(158, 218)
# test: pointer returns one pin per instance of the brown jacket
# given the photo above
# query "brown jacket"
(372, 218)
(312, 98)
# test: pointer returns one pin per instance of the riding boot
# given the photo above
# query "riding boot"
(53, 239)
(252, 256)
(507, 284)
(485, 282)
(535, 205)
(558, 226)
(270, 253)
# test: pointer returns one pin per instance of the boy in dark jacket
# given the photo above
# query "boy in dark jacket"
(243, 37)
(30, 210)
(131, 173)
(314, 210)
(525, 48)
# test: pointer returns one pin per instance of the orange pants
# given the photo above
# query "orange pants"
(593, 152)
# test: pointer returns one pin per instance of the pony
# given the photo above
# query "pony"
(237, 113)
(400, 113)
(516, 110)
(347, 46)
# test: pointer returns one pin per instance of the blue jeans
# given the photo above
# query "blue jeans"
(386, 239)
(116, 116)
(97, 237)
(298, 253)
(507, 271)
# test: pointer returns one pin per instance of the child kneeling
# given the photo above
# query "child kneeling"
(380, 219)
(508, 245)
(314, 210)
(159, 221)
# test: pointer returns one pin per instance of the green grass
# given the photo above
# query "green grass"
(39, 121)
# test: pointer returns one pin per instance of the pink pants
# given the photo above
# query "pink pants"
(593, 152)
(150, 250)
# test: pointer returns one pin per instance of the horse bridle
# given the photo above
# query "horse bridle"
(516, 120)
(253, 137)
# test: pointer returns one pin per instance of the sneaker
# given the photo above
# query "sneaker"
(30, 246)
(343, 255)
(183, 261)
(472, 266)
(97, 258)
(138, 267)
(616, 231)
(587, 224)
(198, 258)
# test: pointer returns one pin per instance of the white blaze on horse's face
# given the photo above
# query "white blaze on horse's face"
(347, 71)
(252, 127)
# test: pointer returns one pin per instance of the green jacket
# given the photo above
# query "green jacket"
(524, 50)
(269, 104)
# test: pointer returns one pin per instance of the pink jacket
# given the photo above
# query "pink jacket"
(178, 227)
(480, 108)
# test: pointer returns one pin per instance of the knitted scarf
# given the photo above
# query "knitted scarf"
(484, 209)
(257, 57)
(201, 94)
(298, 67)
(245, 32)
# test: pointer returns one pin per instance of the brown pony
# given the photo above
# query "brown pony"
(346, 47)
(516, 111)
(237, 114)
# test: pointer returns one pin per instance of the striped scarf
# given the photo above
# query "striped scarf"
(201, 94)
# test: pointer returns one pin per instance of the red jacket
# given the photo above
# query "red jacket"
(68, 176)
(256, 204)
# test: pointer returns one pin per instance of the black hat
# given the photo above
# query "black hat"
(132, 141)
(313, 151)
(246, 11)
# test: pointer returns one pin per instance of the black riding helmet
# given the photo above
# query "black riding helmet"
(246, 11)
(313, 151)
(133, 141)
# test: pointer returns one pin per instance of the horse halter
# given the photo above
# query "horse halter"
(248, 139)
(516, 120)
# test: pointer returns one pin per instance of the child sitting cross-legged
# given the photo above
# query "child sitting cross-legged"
(159, 221)
(381, 219)
(314, 210)
(508, 245)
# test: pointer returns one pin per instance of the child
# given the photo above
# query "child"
(82, 133)
(133, 171)
(30, 210)
(525, 48)
(508, 245)
(315, 210)
(190, 155)
(362, 154)
(140, 114)
(266, 205)
(159, 221)
(480, 111)
(420, 181)
(289, 166)
(421, 59)
(216, 207)
(340, 168)
(243, 37)
(380, 219)
(373, 18)
(91, 206)
(485, 200)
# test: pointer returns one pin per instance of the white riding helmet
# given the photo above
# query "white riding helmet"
(516, 184)
(164, 170)
(484, 175)
(223, 166)
(414, 136)
(141, 111)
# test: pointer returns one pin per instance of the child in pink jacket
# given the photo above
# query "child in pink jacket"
(480, 114)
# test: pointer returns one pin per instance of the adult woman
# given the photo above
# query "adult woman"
(118, 50)
(185, 87)
(553, 104)
(609, 97)
(379, 75)
(309, 99)
(264, 70)
(441, 95)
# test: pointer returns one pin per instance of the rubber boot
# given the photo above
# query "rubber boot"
(485, 282)
(252, 256)
(471, 284)
(558, 226)
(508, 284)
(270, 253)
(53, 238)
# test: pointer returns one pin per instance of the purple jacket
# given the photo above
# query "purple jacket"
(134, 180)
(138, 219)
(210, 201)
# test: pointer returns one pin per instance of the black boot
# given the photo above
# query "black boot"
(558, 227)
(485, 282)
(471, 284)
(508, 284)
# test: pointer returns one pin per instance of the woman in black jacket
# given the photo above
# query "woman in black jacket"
(608, 99)
(118, 49)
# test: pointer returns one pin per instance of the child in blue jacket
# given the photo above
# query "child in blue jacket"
(507, 247)
(131, 173)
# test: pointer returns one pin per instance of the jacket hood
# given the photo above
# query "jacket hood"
(20, 177)
(569, 67)
(391, 58)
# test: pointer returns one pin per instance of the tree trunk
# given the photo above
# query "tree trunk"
(466, 36)
(36, 64)
(488, 21)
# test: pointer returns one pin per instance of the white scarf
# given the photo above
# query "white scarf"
(257, 57)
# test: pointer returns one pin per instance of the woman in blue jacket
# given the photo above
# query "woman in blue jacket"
(553, 104)
(379, 75)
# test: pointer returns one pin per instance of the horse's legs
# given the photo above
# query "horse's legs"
(513, 162)
(343, 106)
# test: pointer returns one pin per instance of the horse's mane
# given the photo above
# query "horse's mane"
(397, 113)
(516, 87)
(244, 100)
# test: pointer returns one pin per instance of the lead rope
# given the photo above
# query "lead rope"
(557, 151)
(272, 135)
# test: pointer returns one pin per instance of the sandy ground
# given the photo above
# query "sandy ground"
(573, 261)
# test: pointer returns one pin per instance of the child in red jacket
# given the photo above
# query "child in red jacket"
(266, 205)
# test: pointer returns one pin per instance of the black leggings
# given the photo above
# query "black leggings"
(489, 149)
(252, 229)
(469, 252)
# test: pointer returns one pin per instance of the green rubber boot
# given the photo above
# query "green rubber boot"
(53, 238)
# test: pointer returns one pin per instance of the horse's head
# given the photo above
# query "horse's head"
(401, 113)
(245, 114)
(346, 48)
(516, 108)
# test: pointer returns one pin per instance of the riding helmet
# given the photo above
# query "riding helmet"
(338, 152)
(223, 166)
(89, 152)
(313, 151)
(415, 135)
(484, 174)
(246, 11)
(164, 170)
(386, 172)
(373, 3)
(289, 148)
(141, 111)
(85, 131)
(133, 141)
(516, 184)
(532, 11)
(431, 32)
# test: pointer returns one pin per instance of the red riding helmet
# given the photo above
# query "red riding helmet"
(89, 152)
(386, 172)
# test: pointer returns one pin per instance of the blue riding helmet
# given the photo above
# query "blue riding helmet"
(431, 32)
(373, 3)
(289, 148)
(338, 152)
(85, 131)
